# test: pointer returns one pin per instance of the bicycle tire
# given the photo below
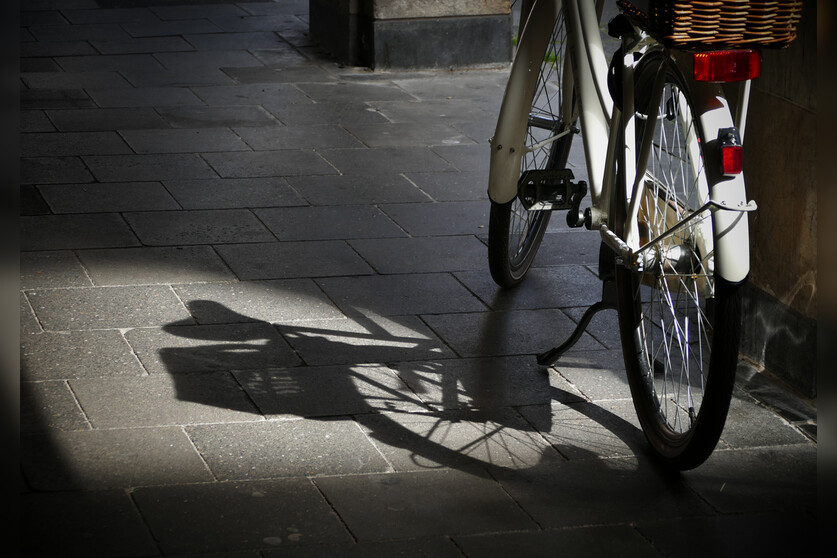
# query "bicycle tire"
(515, 233)
(679, 323)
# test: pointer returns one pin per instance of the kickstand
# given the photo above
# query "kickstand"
(607, 302)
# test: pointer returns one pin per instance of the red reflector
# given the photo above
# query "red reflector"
(727, 65)
(732, 159)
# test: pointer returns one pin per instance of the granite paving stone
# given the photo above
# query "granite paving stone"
(341, 390)
(83, 230)
(582, 430)
(231, 40)
(182, 61)
(599, 375)
(752, 425)
(139, 168)
(416, 504)
(286, 260)
(216, 116)
(35, 121)
(437, 219)
(143, 96)
(78, 32)
(266, 138)
(276, 301)
(184, 140)
(364, 339)
(272, 74)
(52, 269)
(284, 94)
(45, 170)
(519, 332)
(229, 193)
(422, 255)
(62, 144)
(105, 307)
(452, 186)
(227, 516)
(31, 201)
(636, 490)
(389, 295)
(114, 458)
(52, 48)
(357, 190)
(465, 440)
(47, 406)
(287, 162)
(200, 226)
(55, 99)
(163, 400)
(485, 383)
(182, 348)
(102, 119)
(107, 197)
(385, 160)
(325, 113)
(165, 28)
(328, 223)
(77, 354)
(111, 62)
(154, 265)
(547, 287)
(140, 45)
(407, 134)
(738, 488)
(288, 448)
(73, 80)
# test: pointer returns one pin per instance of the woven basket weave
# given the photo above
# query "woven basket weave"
(718, 24)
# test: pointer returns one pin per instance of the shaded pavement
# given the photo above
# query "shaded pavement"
(257, 320)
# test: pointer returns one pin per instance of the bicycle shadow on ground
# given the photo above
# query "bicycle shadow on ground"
(421, 405)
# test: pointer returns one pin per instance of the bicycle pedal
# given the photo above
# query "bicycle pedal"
(549, 190)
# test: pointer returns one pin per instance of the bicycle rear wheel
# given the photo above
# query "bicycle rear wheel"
(679, 323)
(515, 233)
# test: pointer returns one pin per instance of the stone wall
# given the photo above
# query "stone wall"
(414, 34)
(780, 324)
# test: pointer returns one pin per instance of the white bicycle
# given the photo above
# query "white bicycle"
(664, 157)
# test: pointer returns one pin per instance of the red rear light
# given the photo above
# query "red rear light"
(732, 159)
(727, 65)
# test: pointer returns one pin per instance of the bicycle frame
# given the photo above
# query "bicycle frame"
(603, 124)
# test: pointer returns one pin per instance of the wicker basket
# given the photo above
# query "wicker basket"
(720, 24)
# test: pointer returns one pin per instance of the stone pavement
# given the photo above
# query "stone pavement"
(256, 320)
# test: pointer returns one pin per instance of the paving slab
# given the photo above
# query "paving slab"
(287, 260)
(106, 307)
(77, 354)
(106, 197)
(416, 504)
(107, 458)
(227, 516)
(75, 231)
(328, 392)
(152, 265)
(183, 349)
(288, 448)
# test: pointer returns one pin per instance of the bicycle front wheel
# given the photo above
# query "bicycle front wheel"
(679, 322)
(515, 233)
